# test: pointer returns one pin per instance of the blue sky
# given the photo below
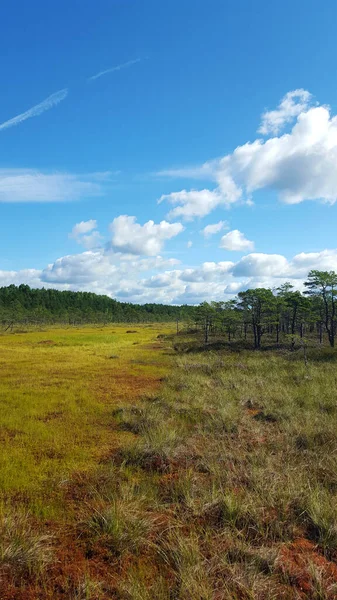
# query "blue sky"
(185, 85)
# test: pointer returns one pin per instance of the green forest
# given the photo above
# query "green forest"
(21, 304)
(254, 315)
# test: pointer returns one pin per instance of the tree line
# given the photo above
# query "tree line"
(24, 305)
(280, 313)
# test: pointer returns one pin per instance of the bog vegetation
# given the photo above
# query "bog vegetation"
(141, 463)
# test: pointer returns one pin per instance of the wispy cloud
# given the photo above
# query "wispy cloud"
(36, 110)
(113, 69)
(27, 185)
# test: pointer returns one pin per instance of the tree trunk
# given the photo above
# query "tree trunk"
(206, 331)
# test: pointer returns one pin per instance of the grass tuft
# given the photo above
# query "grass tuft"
(22, 549)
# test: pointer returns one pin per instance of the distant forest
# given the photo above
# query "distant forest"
(255, 314)
(22, 304)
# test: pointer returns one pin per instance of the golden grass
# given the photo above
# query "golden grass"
(58, 390)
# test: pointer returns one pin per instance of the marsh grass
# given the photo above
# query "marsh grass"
(122, 523)
(251, 470)
(220, 484)
(56, 403)
(23, 550)
(136, 586)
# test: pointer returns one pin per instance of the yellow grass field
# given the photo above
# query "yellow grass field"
(57, 392)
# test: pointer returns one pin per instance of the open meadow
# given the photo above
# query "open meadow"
(137, 464)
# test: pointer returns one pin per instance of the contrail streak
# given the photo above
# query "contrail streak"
(112, 69)
(36, 110)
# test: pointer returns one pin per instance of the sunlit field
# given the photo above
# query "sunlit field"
(57, 391)
(140, 465)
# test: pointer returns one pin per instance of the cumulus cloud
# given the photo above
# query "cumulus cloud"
(85, 233)
(130, 237)
(79, 268)
(82, 228)
(28, 185)
(297, 166)
(206, 272)
(235, 240)
(192, 204)
(30, 277)
(156, 279)
(325, 260)
(261, 265)
(291, 105)
(213, 229)
(199, 203)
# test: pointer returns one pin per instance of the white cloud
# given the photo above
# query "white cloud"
(325, 260)
(91, 241)
(206, 272)
(235, 240)
(300, 165)
(80, 232)
(213, 229)
(163, 280)
(291, 105)
(83, 227)
(192, 204)
(204, 171)
(78, 269)
(113, 69)
(189, 244)
(28, 185)
(36, 110)
(262, 265)
(130, 237)
(30, 277)
(155, 279)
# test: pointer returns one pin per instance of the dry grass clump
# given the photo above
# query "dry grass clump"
(155, 449)
(122, 522)
(136, 586)
(317, 512)
(87, 589)
(23, 551)
(183, 555)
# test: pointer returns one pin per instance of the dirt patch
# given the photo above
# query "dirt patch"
(9, 434)
(154, 346)
(47, 343)
(124, 386)
(264, 416)
(306, 568)
(51, 416)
